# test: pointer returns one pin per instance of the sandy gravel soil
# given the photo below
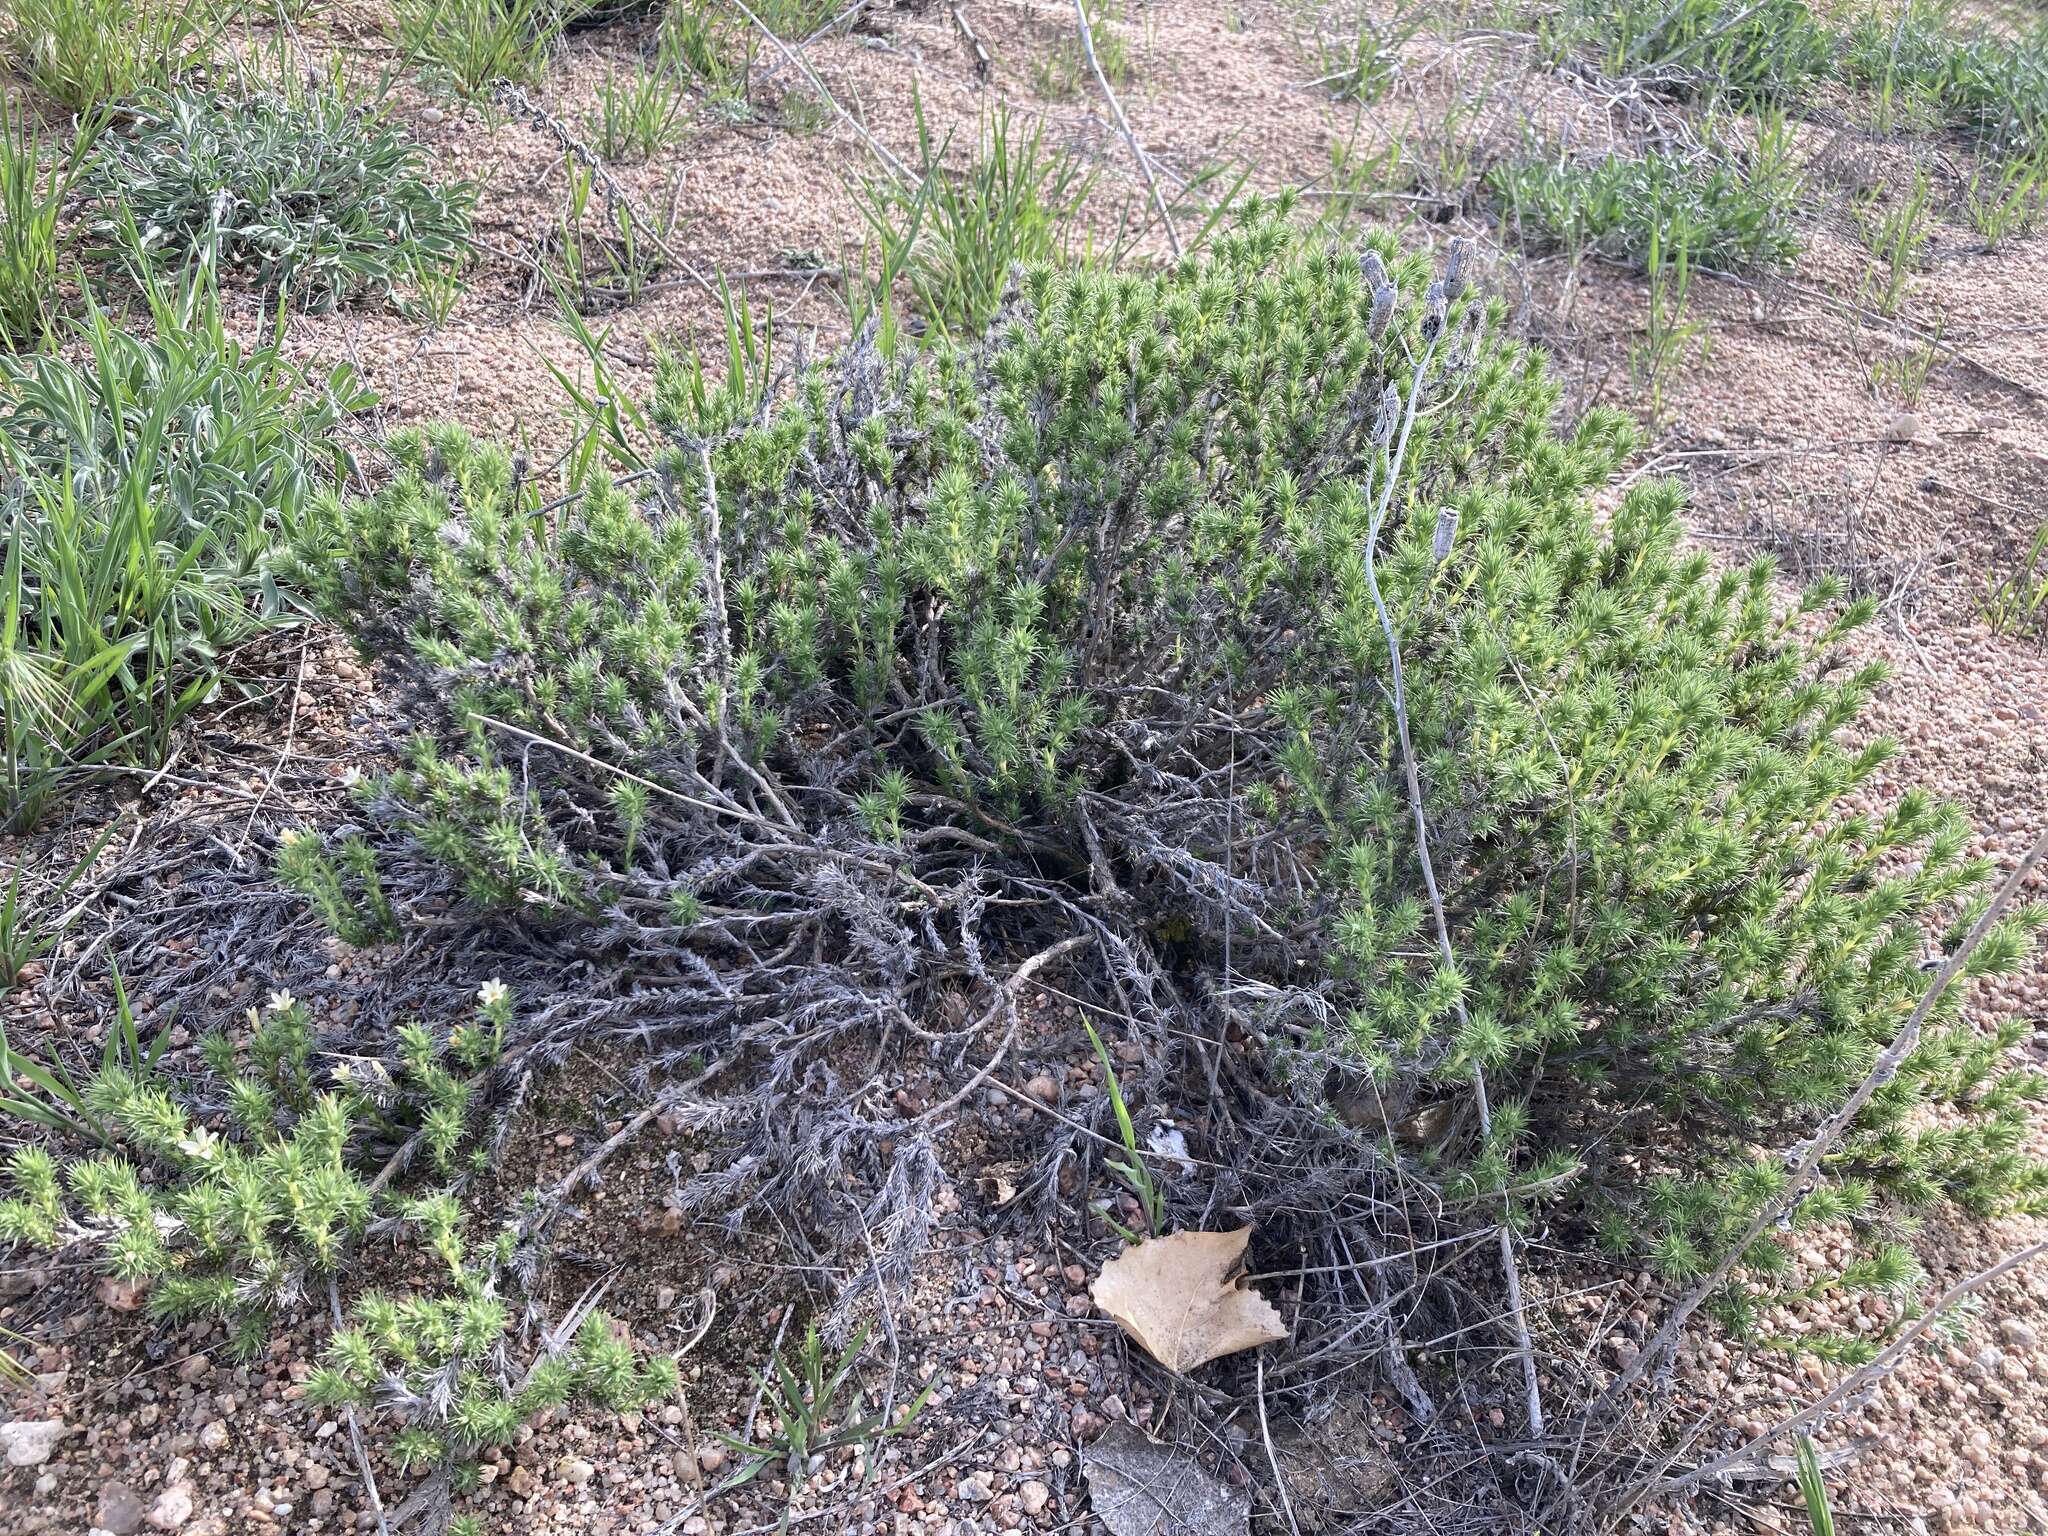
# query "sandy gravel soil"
(1780, 433)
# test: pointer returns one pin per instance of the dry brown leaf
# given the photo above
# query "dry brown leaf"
(1176, 1296)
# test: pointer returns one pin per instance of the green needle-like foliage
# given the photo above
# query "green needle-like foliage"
(240, 1199)
(1094, 595)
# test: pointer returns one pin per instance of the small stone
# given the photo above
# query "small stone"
(172, 1509)
(1903, 428)
(1043, 1088)
(194, 1368)
(121, 1510)
(574, 1471)
(975, 1488)
(2017, 1335)
(316, 1475)
(214, 1436)
(120, 1295)
(1034, 1496)
(432, 116)
(711, 1458)
(29, 1442)
(685, 1466)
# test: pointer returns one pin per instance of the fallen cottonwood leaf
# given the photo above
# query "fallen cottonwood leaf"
(1176, 1297)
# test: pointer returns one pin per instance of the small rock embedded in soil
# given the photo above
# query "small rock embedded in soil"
(29, 1442)
(121, 1510)
(172, 1509)
(120, 1295)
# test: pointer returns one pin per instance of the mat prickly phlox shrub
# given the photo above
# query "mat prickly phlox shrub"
(242, 1196)
(1080, 619)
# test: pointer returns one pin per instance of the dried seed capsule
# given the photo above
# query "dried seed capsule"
(1446, 531)
(1382, 310)
(1373, 270)
(1436, 304)
(1454, 269)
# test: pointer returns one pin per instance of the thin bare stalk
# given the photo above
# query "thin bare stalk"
(1804, 1160)
(1865, 1376)
(881, 151)
(1510, 1269)
(1123, 125)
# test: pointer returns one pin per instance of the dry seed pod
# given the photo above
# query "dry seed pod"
(1382, 310)
(1436, 304)
(1454, 269)
(1446, 531)
(1374, 271)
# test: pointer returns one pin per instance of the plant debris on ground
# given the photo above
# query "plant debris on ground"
(1092, 767)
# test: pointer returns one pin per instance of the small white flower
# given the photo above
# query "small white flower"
(351, 776)
(280, 1001)
(291, 837)
(342, 1071)
(201, 1145)
(492, 993)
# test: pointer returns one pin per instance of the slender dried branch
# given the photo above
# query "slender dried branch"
(1804, 1160)
(1123, 125)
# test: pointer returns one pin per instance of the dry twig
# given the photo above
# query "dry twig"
(1123, 125)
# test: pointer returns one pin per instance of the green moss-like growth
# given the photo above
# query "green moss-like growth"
(1093, 596)
(242, 1198)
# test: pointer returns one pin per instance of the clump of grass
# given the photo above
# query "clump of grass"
(814, 1408)
(142, 482)
(1360, 59)
(2018, 600)
(598, 255)
(1669, 333)
(469, 44)
(640, 113)
(308, 193)
(1928, 67)
(1906, 369)
(699, 40)
(2005, 194)
(1064, 70)
(1742, 51)
(85, 53)
(33, 188)
(1896, 233)
(1716, 211)
(955, 238)
(27, 935)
